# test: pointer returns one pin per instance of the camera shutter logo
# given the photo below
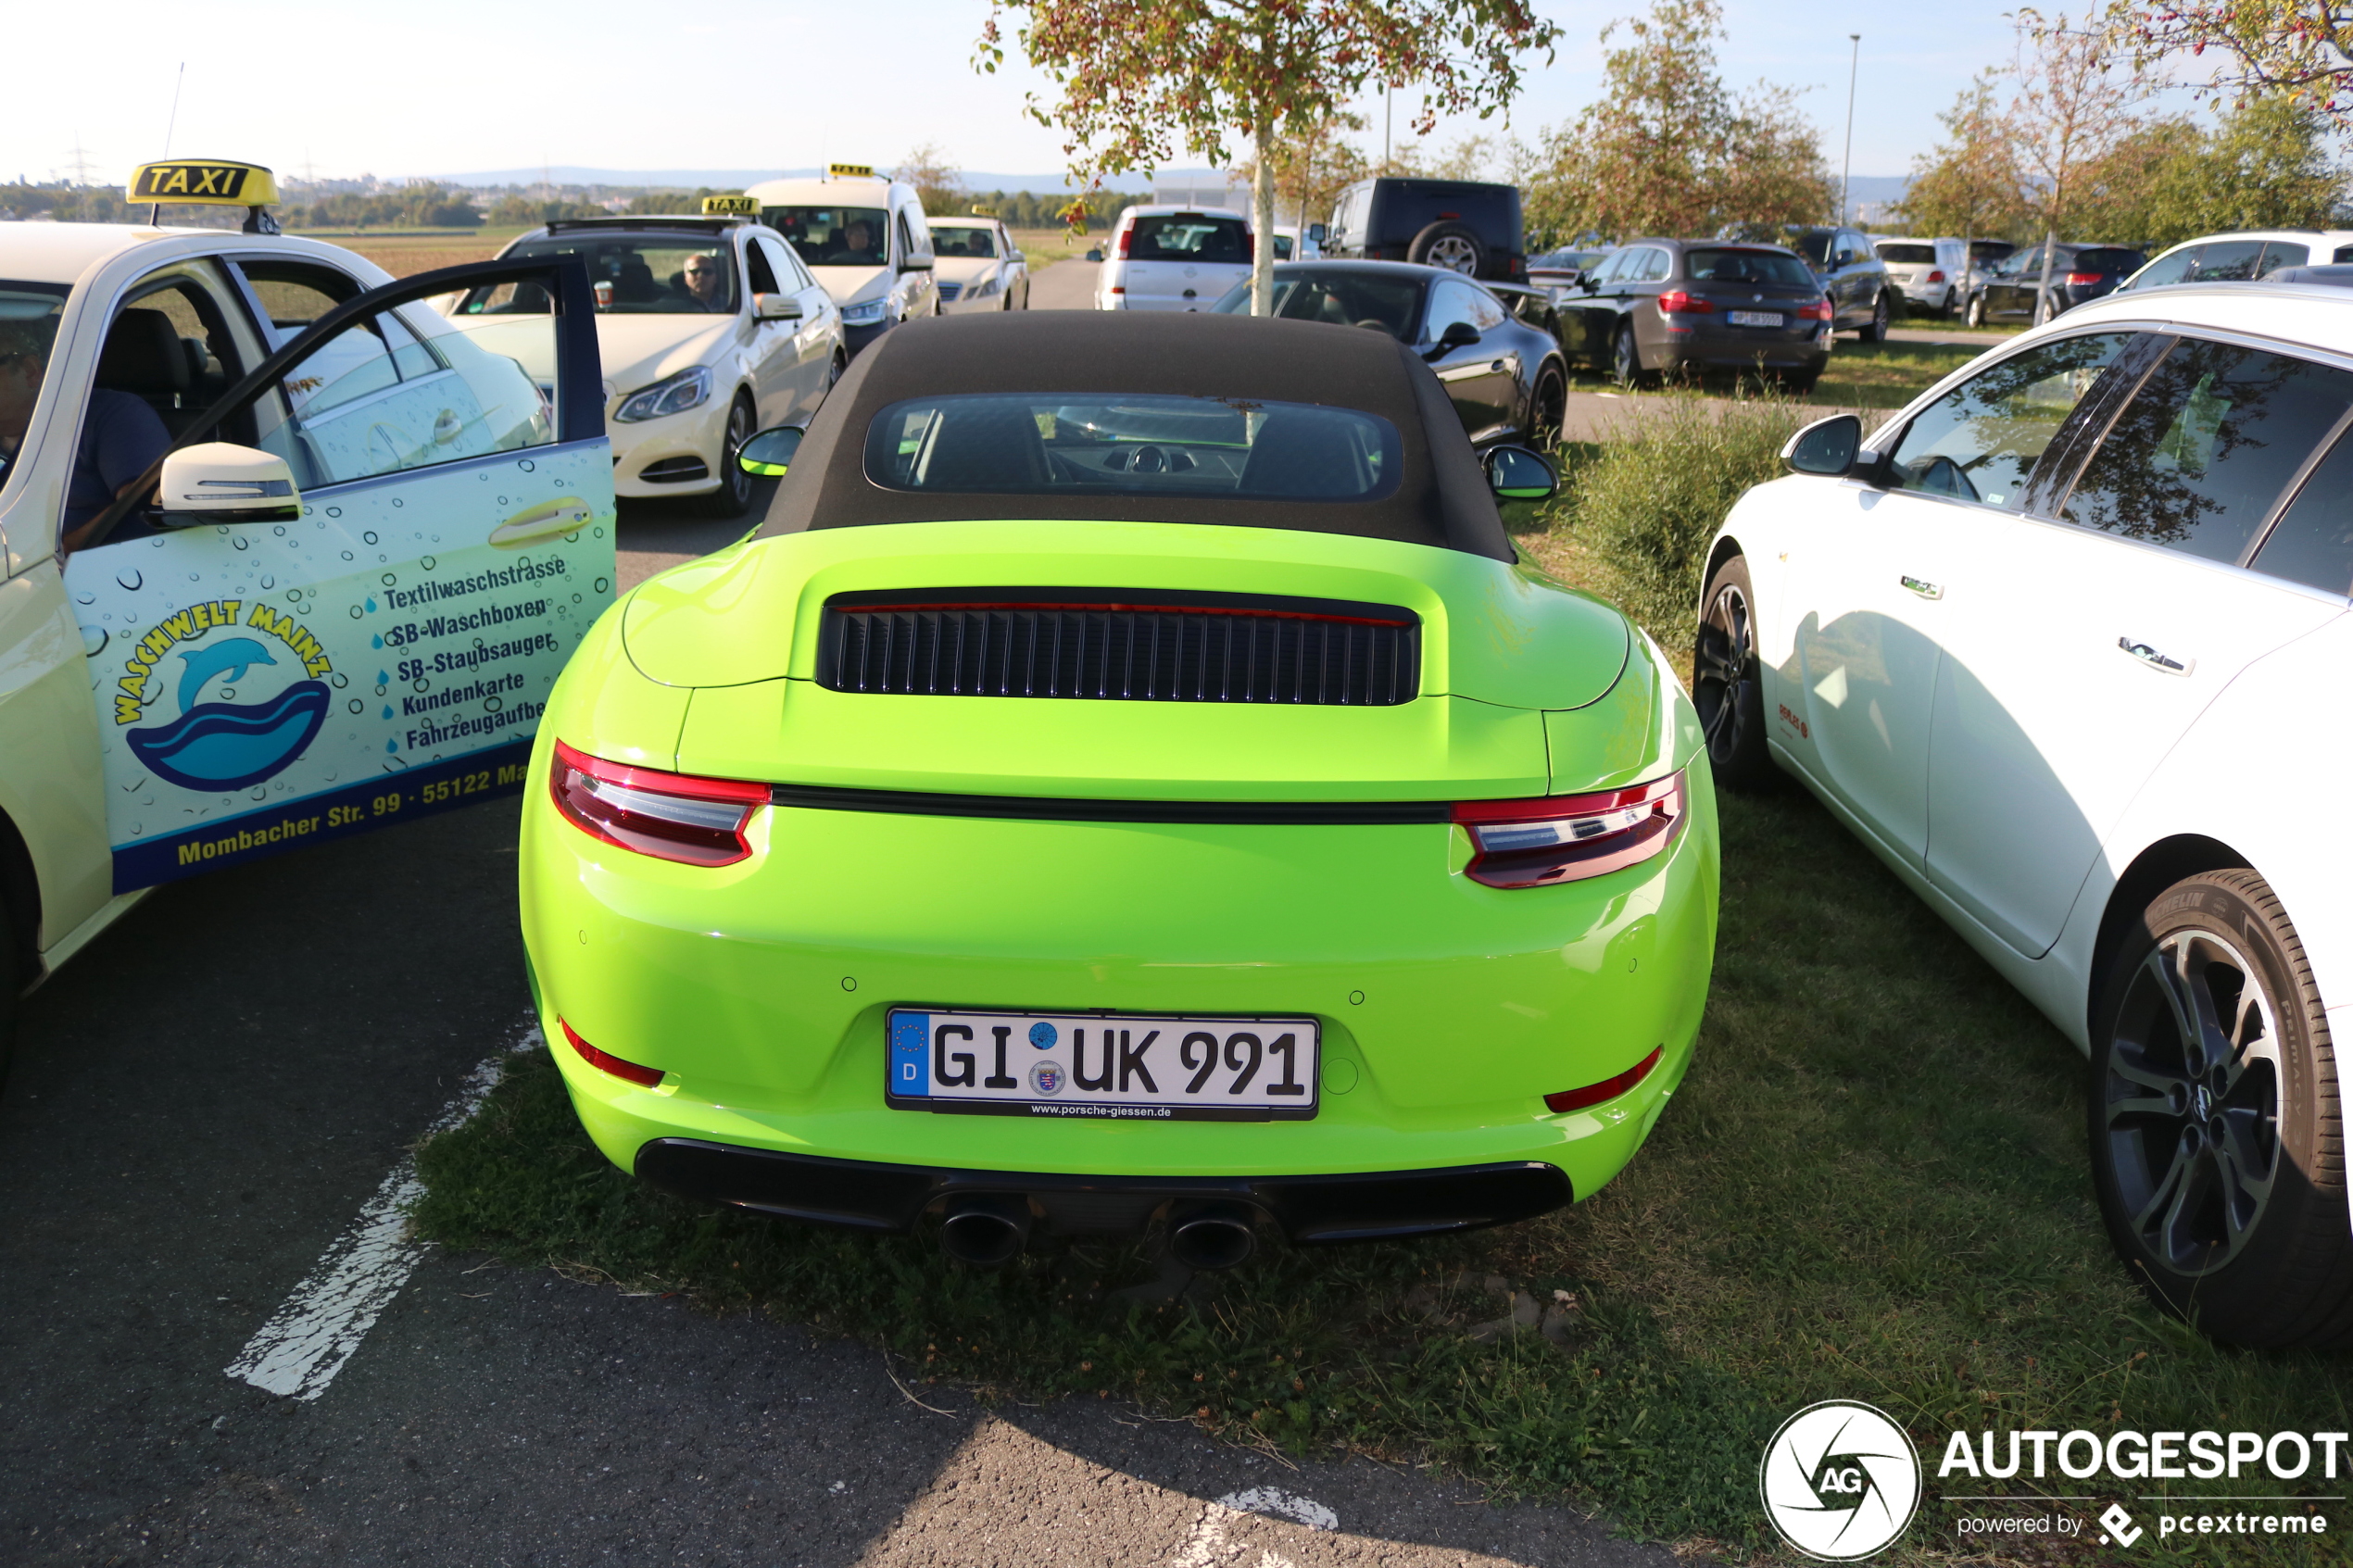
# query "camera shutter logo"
(1840, 1480)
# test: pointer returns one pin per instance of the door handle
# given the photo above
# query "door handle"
(1925, 590)
(2155, 659)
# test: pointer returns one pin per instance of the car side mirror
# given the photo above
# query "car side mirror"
(1095, 252)
(1519, 473)
(915, 263)
(1826, 447)
(1458, 334)
(775, 307)
(217, 482)
(1316, 234)
(770, 454)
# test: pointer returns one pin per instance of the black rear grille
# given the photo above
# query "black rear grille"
(1139, 646)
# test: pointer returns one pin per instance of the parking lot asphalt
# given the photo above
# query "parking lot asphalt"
(202, 1102)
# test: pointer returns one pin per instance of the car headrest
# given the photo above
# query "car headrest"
(1305, 452)
(144, 354)
(984, 446)
(635, 283)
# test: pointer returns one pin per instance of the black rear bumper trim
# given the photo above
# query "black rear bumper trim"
(1310, 1210)
(1043, 809)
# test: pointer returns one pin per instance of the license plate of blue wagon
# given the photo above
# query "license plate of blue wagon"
(1107, 1065)
(1753, 318)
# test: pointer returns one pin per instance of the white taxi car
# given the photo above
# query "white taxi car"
(2054, 644)
(1172, 258)
(710, 329)
(283, 556)
(865, 240)
(977, 266)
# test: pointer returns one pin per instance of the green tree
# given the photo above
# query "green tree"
(1134, 80)
(1668, 149)
(2300, 51)
(1970, 184)
(1313, 164)
(2078, 102)
(938, 182)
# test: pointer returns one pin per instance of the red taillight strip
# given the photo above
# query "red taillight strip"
(604, 1062)
(694, 821)
(1570, 838)
(1608, 1088)
(1120, 609)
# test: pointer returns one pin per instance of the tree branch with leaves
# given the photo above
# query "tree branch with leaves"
(2300, 51)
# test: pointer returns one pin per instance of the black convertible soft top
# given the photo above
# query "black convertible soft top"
(1443, 497)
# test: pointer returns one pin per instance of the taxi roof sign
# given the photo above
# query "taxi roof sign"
(731, 207)
(209, 182)
(850, 171)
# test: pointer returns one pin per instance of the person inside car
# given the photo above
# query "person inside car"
(857, 247)
(706, 279)
(120, 435)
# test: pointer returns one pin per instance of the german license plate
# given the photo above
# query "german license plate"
(1117, 1065)
(1753, 318)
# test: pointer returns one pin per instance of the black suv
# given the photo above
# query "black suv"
(1463, 225)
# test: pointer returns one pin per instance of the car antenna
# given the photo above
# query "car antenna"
(155, 210)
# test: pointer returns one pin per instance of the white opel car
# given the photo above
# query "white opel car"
(1172, 258)
(2053, 644)
(977, 266)
(709, 328)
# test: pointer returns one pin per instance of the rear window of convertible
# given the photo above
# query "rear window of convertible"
(1043, 443)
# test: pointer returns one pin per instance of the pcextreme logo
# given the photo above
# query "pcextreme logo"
(1840, 1480)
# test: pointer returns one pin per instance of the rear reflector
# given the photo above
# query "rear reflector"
(670, 816)
(1594, 1094)
(604, 1061)
(1570, 838)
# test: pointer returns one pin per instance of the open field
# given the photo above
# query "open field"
(402, 253)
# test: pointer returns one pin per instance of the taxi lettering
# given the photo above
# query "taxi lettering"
(223, 182)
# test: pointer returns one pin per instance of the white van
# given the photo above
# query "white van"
(863, 237)
(1172, 258)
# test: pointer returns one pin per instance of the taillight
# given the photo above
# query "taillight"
(604, 1062)
(2083, 280)
(670, 816)
(1126, 238)
(1818, 311)
(1608, 1088)
(1676, 302)
(1936, 276)
(1570, 838)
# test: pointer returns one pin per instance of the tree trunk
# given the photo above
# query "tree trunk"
(2043, 290)
(1262, 222)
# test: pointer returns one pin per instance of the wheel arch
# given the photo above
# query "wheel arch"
(20, 901)
(2158, 866)
(1724, 549)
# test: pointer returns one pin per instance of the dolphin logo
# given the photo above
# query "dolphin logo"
(232, 658)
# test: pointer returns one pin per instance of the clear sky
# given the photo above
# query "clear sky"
(746, 84)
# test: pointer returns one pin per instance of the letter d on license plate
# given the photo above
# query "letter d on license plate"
(1120, 1065)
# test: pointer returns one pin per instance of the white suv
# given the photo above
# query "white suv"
(1172, 258)
(1928, 271)
(2242, 257)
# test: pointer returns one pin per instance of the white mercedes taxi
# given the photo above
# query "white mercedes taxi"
(283, 556)
(865, 238)
(2050, 642)
(977, 266)
(710, 329)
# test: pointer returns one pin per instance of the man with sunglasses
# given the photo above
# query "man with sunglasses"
(706, 279)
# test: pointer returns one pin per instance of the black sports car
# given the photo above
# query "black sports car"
(1507, 379)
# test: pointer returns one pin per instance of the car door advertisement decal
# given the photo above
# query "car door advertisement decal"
(267, 684)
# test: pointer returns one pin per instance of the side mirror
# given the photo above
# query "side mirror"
(775, 307)
(1826, 447)
(1316, 234)
(217, 482)
(1517, 473)
(770, 454)
(1458, 334)
(915, 263)
(1095, 252)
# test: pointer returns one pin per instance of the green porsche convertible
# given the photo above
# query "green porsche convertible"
(1128, 784)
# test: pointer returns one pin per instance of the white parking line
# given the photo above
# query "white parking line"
(1206, 1545)
(299, 1350)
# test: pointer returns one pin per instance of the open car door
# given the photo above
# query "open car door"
(365, 567)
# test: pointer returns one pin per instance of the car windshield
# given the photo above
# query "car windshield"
(28, 325)
(1908, 255)
(833, 236)
(1712, 266)
(957, 240)
(1990, 250)
(1188, 236)
(1048, 444)
(1392, 304)
(634, 275)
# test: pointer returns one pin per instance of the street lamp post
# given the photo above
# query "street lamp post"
(1846, 163)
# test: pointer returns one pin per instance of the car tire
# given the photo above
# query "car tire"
(1626, 357)
(1454, 247)
(733, 498)
(2220, 1163)
(1546, 404)
(2049, 309)
(1728, 685)
(1800, 383)
(1975, 314)
(1875, 329)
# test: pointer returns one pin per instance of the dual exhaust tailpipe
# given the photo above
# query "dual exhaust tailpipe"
(988, 1229)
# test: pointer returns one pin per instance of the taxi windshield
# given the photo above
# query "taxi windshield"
(833, 236)
(634, 275)
(28, 325)
(954, 240)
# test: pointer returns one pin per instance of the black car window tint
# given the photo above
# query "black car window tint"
(1076, 443)
(2312, 543)
(1908, 254)
(2226, 261)
(2105, 259)
(2281, 252)
(2196, 459)
(1450, 302)
(1770, 267)
(2344, 253)
(762, 276)
(1188, 237)
(1982, 440)
(1342, 299)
